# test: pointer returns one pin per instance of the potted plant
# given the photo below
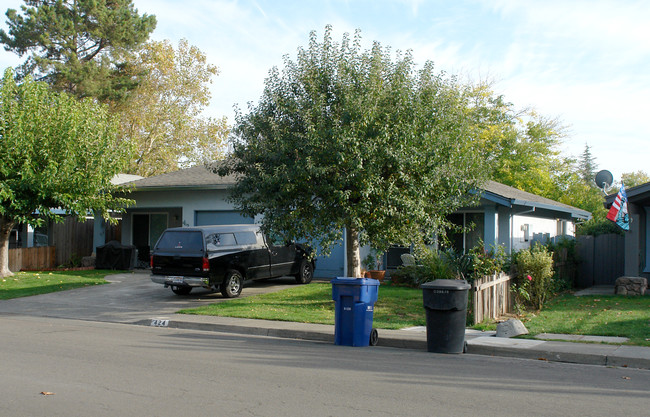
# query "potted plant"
(373, 263)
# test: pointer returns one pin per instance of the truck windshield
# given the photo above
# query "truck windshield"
(178, 240)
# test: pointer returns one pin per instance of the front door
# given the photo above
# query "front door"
(147, 228)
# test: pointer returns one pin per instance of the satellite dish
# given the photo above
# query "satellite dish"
(604, 179)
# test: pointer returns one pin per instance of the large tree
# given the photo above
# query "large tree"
(76, 45)
(163, 118)
(57, 153)
(345, 138)
(521, 146)
(523, 151)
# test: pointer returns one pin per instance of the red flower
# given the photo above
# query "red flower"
(529, 278)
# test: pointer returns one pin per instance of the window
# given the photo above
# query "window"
(219, 240)
(474, 224)
(246, 238)
(184, 241)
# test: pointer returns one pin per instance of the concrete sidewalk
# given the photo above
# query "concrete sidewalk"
(479, 343)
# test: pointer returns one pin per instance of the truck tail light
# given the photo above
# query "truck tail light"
(206, 265)
(151, 261)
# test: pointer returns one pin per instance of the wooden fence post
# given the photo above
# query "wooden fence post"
(491, 298)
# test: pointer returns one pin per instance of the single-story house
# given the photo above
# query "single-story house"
(196, 196)
(637, 250)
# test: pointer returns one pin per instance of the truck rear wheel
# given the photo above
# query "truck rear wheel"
(232, 284)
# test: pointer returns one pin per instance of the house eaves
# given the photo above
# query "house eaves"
(512, 197)
(638, 194)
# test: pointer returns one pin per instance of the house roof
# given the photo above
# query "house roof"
(119, 179)
(197, 177)
(636, 195)
(201, 177)
(509, 196)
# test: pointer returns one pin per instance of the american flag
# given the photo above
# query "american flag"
(618, 211)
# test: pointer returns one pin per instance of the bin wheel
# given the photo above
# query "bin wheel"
(374, 337)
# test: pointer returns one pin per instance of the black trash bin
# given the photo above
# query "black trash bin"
(445, 304)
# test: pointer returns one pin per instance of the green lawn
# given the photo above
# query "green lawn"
(396, 308)
(602, 315)
(399, 307)
(24, 284)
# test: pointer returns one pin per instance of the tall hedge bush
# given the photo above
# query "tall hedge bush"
(534, 282)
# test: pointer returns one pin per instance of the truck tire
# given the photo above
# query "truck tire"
(305, 272)
(232, 284)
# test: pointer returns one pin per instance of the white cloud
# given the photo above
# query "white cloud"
(585, 61)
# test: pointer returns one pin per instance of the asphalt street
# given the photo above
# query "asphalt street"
(63, 367)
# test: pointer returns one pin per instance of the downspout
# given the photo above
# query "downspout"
(345, 252)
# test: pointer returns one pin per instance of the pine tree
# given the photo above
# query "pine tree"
(587, 166)
(78, 46)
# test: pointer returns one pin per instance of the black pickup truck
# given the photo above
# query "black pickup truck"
(221, 258)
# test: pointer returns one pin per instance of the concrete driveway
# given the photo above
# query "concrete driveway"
(130, 297)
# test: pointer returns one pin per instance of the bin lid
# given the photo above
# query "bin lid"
(355, 281)
(446, 284)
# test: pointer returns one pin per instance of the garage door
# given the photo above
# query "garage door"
(204, 218)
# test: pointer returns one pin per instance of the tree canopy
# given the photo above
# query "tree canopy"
(632, 179)
(58, 153)
(520, 146)
(523, 150)
(163, 119)
(345, 138)
(76, 46)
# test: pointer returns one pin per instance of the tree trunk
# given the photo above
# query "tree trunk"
(6, 225)
(353, 255)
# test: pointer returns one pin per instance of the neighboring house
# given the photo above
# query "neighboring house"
(636, 247)
(195, 196)
(72, 237)
(514, 219)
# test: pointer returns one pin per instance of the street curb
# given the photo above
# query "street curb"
(385, 339)
(569, 352)
(542, 353)
(552, 351)
(248, 330)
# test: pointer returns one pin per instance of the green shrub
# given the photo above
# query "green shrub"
(429, 266)
(478, 262)
(432, 264)
(460, 263)
(534, 276)
(598, 225)
(566, 263)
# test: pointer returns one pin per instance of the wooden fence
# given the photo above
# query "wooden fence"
(491, 297)
(73, 239)
(602, 259)
(43, 257)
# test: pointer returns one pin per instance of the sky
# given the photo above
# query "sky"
(584, 62)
